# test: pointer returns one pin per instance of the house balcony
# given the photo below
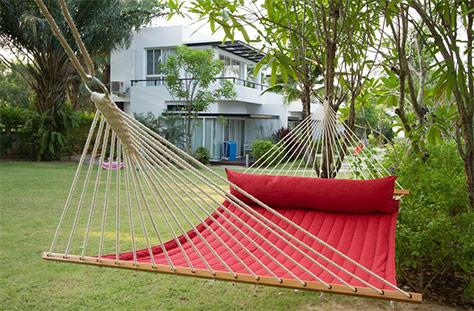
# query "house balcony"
(248, 92)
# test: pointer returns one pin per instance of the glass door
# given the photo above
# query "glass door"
(236, 132)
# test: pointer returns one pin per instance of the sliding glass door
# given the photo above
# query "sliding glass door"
(211, 133)
(235, 131)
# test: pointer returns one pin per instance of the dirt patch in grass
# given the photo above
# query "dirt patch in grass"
(333, 303)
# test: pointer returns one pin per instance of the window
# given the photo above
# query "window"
(233, 68)
(154, 58)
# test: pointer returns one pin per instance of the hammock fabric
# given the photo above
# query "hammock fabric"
(368, 238)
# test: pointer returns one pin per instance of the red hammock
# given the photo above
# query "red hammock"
(364, 229)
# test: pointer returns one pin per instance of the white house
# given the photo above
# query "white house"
(138, 88)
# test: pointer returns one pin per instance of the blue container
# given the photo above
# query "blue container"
(230, 150)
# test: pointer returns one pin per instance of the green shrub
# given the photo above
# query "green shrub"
(49, 133)
(149, 120)
(202, 155)
(81, 131)
(261, 152)
(169, 125)
(12, 120)
(435, 231)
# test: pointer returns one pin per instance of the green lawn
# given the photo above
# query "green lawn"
(31, 200)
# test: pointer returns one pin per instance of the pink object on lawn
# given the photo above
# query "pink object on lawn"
(105, 165)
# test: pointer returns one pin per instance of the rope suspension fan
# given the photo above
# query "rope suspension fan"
(277, 225)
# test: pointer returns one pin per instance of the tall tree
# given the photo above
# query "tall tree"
(197, 88)
(449, 25)
(306, 38)
(105, 25)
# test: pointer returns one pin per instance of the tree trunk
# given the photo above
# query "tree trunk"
(469, 169)
(74, 94)
(106, 73)
(327, 164)
(306, 101)
(467, 155)
(189, 132)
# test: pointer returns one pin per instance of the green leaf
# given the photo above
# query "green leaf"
(274, 71)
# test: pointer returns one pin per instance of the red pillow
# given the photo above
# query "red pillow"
(335, 195)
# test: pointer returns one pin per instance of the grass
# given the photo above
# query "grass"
(31, 200)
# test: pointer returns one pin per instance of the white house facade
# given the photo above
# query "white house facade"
(138, 88)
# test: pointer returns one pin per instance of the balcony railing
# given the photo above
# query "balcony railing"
(237, 81)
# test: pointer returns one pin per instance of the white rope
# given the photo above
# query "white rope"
(163, 214)
(318, 142)
(296, 146)
(107, 192)
(309, 136)
(171, 198)
(86, 184)
(155, 227)
(82, 48)
(311, 149)
(281, 149)
(136, 181)
(167, 164)
(134, 161)
(197, 216)
(185, 234)
(343, 148)
(96, 189)
(345, 145)
(74, 182)
(250, 228)
(117, 202)
(271, 150)
(69, 51)
(372, 156)
(127, 168)
(177, 177)
(332, 133)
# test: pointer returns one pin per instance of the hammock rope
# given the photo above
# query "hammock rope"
(178, 185)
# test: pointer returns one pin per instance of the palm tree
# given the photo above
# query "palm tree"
(103, 25)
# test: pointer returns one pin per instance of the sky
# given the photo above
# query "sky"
(201, 26)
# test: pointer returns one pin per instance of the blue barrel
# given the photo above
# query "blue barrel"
(232, 150)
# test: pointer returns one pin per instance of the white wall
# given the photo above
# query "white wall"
(148, 98)
(130, 64)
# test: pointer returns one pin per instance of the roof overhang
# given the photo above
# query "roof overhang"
(227, 115)
(237, 48)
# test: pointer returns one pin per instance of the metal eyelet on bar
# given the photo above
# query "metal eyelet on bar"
(96, 80)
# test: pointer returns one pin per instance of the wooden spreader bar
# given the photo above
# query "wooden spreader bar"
(244, 278)
(401, 192)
